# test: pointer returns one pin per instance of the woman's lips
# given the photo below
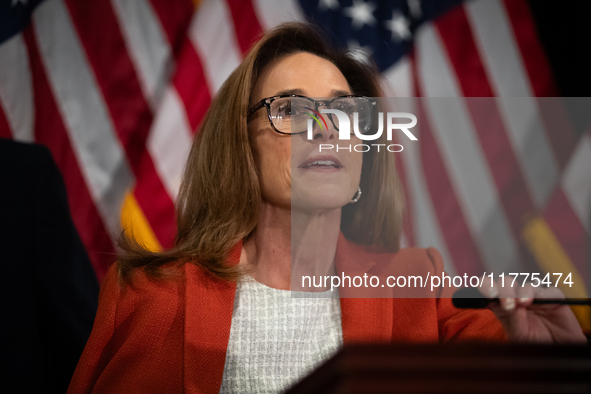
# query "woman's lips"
(321, 163)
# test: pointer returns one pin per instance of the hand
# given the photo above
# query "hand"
(535, 323)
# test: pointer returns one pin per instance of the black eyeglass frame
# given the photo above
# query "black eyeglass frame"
(266, 102)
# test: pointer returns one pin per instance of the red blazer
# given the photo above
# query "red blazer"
(171, 336)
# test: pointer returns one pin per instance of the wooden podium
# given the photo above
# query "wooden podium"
(465, 368)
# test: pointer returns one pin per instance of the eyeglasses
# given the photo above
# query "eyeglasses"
(289, 113)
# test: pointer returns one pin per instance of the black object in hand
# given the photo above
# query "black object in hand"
(471, 298)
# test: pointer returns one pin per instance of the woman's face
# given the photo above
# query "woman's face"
(283, 161)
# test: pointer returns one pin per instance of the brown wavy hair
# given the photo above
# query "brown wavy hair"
(219, 199)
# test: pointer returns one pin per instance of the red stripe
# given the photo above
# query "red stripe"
(455, 32)
(506, 171)
(246, 25)
(99, 32)
(563, 140)
(456, 233)
(51, 131)
(4, 127)
(569, 231)
(191, 85)
(501, 158)
(533, 54)
(175, 17)
(559, 128)
(502, 161)
(460, 243)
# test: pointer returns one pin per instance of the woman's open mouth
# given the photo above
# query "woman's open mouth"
(321, 163)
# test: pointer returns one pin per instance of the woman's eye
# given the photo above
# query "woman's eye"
(284, 109)
(345, 107)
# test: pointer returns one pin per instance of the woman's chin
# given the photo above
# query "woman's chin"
(317, 202)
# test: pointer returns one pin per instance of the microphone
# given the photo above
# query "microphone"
(471, 298)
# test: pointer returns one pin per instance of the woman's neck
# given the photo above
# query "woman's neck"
(287, 245)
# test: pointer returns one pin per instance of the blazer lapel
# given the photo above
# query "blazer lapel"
(363, 319)
(208, 319)
(209, 303)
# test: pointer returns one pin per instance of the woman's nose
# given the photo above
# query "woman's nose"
(325, 129)
(322, 133)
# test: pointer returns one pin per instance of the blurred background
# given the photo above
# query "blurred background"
(116, 89)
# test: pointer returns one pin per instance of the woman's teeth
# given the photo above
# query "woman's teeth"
(323, 163)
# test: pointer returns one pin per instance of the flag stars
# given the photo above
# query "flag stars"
(361, 14)
(415, 8)
(328, 4)
(399, 25)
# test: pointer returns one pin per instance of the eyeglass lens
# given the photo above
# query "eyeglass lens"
(291, 114)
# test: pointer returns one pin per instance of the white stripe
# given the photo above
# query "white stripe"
(147, 46)
(399, 76)
(170, 141)
(455, 135)
(16, 91)
(271, 13)
(214, 40)
(504, 66)
(426, 226)
(101, 158)
(492, 30)
(576, 182)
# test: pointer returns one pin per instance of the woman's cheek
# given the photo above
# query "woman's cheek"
(282, 169)
(277, 179)
(284, 164)
(287, 179)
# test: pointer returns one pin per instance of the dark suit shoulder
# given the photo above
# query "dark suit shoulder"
(23, 152)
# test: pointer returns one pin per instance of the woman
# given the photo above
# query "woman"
(258, 202)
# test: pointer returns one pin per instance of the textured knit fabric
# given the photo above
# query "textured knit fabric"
(171, 336)
(276, 340)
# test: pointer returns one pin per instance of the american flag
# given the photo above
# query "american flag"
(116, 89)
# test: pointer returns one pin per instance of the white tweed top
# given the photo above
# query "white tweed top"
(276, 340)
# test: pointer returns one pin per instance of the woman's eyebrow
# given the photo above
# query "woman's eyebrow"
(337, 93)
(301, 92)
